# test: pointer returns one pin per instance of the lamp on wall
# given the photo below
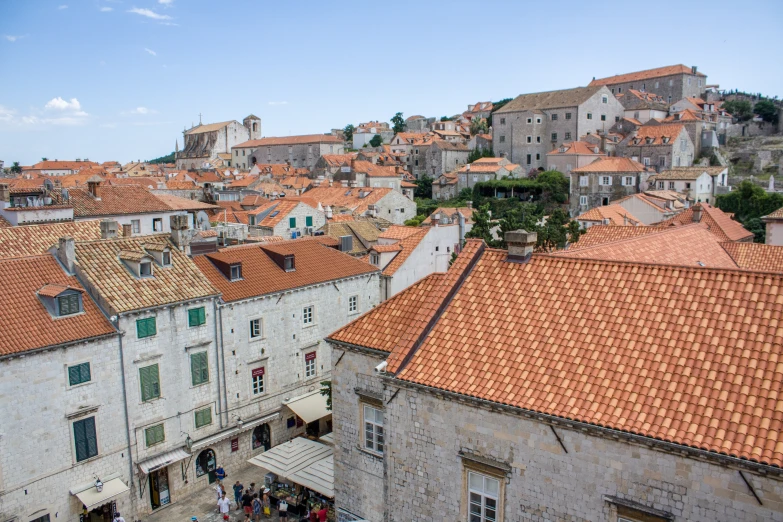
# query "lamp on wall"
(98, 484)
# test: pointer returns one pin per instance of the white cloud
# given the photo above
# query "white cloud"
(278, 103)
(7, 115)
(140, 110)
(108, 125)
(62, 7)
(153, 53)
(149, 13)
(12, 38)
(166, 2)
(106, 9)
(62, 105)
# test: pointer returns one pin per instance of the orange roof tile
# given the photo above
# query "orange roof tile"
(63, 165)
(398, 232)
(578, 147)
(755, 256)
(406, 246)
(657, 133)
(113, 201)
(599, 234)
(616, 214)
(394, 247)
(613, 164)
(778, 214)
(178, 203)
(647, 74)
(348, 198)
(718, 222)
(450, 211)
(29, 240)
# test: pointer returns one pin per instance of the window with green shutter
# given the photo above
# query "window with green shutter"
(68, 304)
(196, 316)
(199, 368)
(146, 327)
(84, 439)
(292, 222)
(154, 435)
(79, 374)
(309, 221)
(150, 382)
(203, 417)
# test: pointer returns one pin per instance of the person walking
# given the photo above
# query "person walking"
(282, 509)
(322, 513)
(224, 506)
(314, 513)
(258, 506)
(267, 504)
(238, 488)
(118, 518)
(247, 503)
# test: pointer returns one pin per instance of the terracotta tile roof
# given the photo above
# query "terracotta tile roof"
(450, 145)
(141, 181)
(657, 133)
(578, 147)
(778, 214)
(415, 117)
(53, 290)
(450, 211)
(685, 355)
(599, 235)
(689, 173)
(406, 246)
(365, 232)
(374, 171)
(100, 263)
(244, 182)
(550, 99)
(718, 222)
(755, 256)
(209, 127)
(178, 203)
(114, 201)
(25, 324)
(342, 197)
(412, 138)
(483, 168)
(296, 182)
(613, 164)
(686, 115)
(26, 185)
(396, 247)
(289, 140)
(615, 213)
(231, 205)
(29, 240)
(647, 74)
(314, 262)
(398, 232)
(4, 222)
(336, 160)
(280, 211)
(251, 200)
(408, 184)
(63, 165)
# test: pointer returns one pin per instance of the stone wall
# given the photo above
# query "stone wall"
(296, 154)
(672, 88)
(596, 192)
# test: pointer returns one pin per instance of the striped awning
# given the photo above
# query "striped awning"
(163, 460)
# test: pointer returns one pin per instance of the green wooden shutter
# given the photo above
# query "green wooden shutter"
(197, 316)
(85, 440)
(79, 374)
(203, 417)
(150, 382)
(199, 368)
(202, 315)
(309, 221)
(292, 222)
(146, 327)
(154, 434)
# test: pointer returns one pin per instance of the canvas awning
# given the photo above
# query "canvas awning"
(90, 497)
(223, 435)
(310, 407)
(318, 476)
(288, 458)
(163, 460)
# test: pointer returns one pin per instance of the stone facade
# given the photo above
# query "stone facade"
(394, 207)
(679, 152)
(204, 142)
(291, 150)
(594, 189)
(671, 88)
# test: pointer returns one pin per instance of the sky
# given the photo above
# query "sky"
(120, 79)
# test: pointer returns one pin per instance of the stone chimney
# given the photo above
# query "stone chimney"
(108, 229)
(328, 212)
(66, 253)
(697, 212)
(5, 193)
(469, 204)
(94, 186)
(179, 230)
(520, 245)
(127, 230)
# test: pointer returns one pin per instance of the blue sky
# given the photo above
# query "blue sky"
(119, 79)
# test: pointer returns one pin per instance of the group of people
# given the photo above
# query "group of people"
(256, 503)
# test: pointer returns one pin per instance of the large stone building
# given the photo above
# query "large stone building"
(531, 125)
(658, 146)
(203, 143)
(296, 151)
(699, 184)
(604, 181)
(612, 417)
(672, 83)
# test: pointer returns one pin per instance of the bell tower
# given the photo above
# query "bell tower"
(253, 124)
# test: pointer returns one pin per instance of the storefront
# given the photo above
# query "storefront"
(99, 499)
(313, 411)
(154, 476)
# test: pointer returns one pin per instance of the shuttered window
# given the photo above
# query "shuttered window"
(79, 374)
(203, 417)
(146, 327)
(292, 222)
(150, 382)
(199, 368)
(68, 304)
(309, 221)
(154, 435)
(84, 438)
(196, 316)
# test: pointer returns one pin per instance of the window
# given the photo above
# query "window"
(538, 120)
(79, 374)
(68, 304)
(307, 315)
(619, 90)
(530, 120)
(310, 368)
(502, 139)
(604, 99)
(256, 330)
(196, 316)
(568, 115)
(603, 117)
(149, 380)
(373, 429)
(538, 156)
(203, 417)
(583, 200)
(554, 136)
(292, 222)
(236, 272)
(662, 161)
(353, 303)
(683, 146)
(671, 185)
(309, 221)
(589, 115)
(670, 98)
(687, 185)
(606, 180)
(660, 185)
(646, 162)
(375, 259)
(154, 435)
(689, 81)
(483, 493)
(530, 139)
(257, 377)
(567, 136)
(502, 121)
(617, 119)
(136, 226)
(538, 139)
(628, 181)
(157, 224)
(84, 439)
(554, 117)
(699, 83)
(656, 85)
(529, 159)
(145, 269)
(199, 368)
(146, 327)
(166, 258)
(584, 181)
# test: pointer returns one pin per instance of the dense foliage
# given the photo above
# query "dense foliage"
(742, 110)
(480, 153)
(398, 123)
(348, 132)
(376, 141)
(423, 187)
(169, 158)
(766, 110)
(478, 126)
(749, 203)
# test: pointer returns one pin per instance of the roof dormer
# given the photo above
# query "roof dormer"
(285, 261)
(649, 140)
(161, 253)
(61, 300)
(139, 263)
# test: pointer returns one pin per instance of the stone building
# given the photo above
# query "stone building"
(285, 218)
(672, 83)
(531, 125)
(643, 106)
(658, 146)
(296, 151)
(408, 146)
(365, 132)
(573, 155)
(438, 157)
(604, 181)
(432, 429)
(446, 187)
(417, 123)
(203, 143)
(699, 184)
(384, 203)
(774, 227)
(487, 169)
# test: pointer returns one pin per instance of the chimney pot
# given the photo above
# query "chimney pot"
(469, 204)
(520, 245)
(5, 193)
(66, 253)
(697, 210)
(108, 229)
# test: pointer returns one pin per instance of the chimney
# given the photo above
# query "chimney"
(520, 245)
(127, 230)
(697, 212)
(5, 193)
(353, 164)
(467, 167)
(95, 188)
(328, 212)
(179, 230)
(108, 229)
(469, 204)
(504, 155)
(694, 69)
(603, 141)
(66, 253)
(461, 221)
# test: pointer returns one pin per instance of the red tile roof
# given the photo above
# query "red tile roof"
(342, 197)
(616, 214)
(178, 203)
(599, 234)
(718, 222)
(63, 165)
(657, 133)
(578, 147)
(29, 240)
(113, 201)
(613, 164)
(647, 74)
(406, 247)
(25, 324)
(778, 214)
(755, 256)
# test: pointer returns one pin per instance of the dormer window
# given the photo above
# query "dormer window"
(288, 263)
(166, 259)
(61, 300)
(145, 269)
(160, 252)
(68, 304)
(236, 272)
(139, 263)
(375, 259)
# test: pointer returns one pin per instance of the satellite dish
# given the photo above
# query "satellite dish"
(202, 221)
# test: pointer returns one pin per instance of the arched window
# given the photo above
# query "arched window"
(205, 462)
(262, 437)
(255, 127)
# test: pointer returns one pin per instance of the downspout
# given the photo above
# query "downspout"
(218, 351)
(223, 364)
(127, 418)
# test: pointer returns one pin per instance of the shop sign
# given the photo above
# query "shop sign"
(258, 372)
(310, 356)
(235, 443)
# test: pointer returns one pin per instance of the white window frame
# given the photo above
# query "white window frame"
(628, 181)
(251, 328)
(584, 181)
(308, 315)
(311, 367)
(136, 226)
(258, 382)
(484, 494)
(353, 304)
(605, 181)
(583, 201)
(373, 437)
(646, 161)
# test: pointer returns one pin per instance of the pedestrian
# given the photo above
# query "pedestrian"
(118, 518)
(220, 473)
(224, 505)
(258, 506)
(247, 503)
(238, 488)
(252, 488)
(282, 509)
(322, 513)
(267, 504)
(218, 489)
(314, 513)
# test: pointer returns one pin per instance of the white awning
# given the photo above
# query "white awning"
(288, 458)
(310, 407)
(163, 460)
(223, 435)
(111, 488)
(318, 476)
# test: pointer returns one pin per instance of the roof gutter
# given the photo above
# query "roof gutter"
(57, 346)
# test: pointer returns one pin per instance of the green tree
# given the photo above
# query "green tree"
(740, 109)
(480, 153)
(44, 159)
(478, 126)
(376, 141)
(398, 123)
(326, 390)
(766, 110)
(15, 168)
(169, 158)
(423, 187)
(465, 194)
(348, 132)
(446, 118)
(482, 226)
(749, 203)
(415, 221)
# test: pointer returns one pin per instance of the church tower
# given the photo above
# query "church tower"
(253, 124)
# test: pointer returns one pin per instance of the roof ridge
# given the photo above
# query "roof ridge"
(663, 230)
